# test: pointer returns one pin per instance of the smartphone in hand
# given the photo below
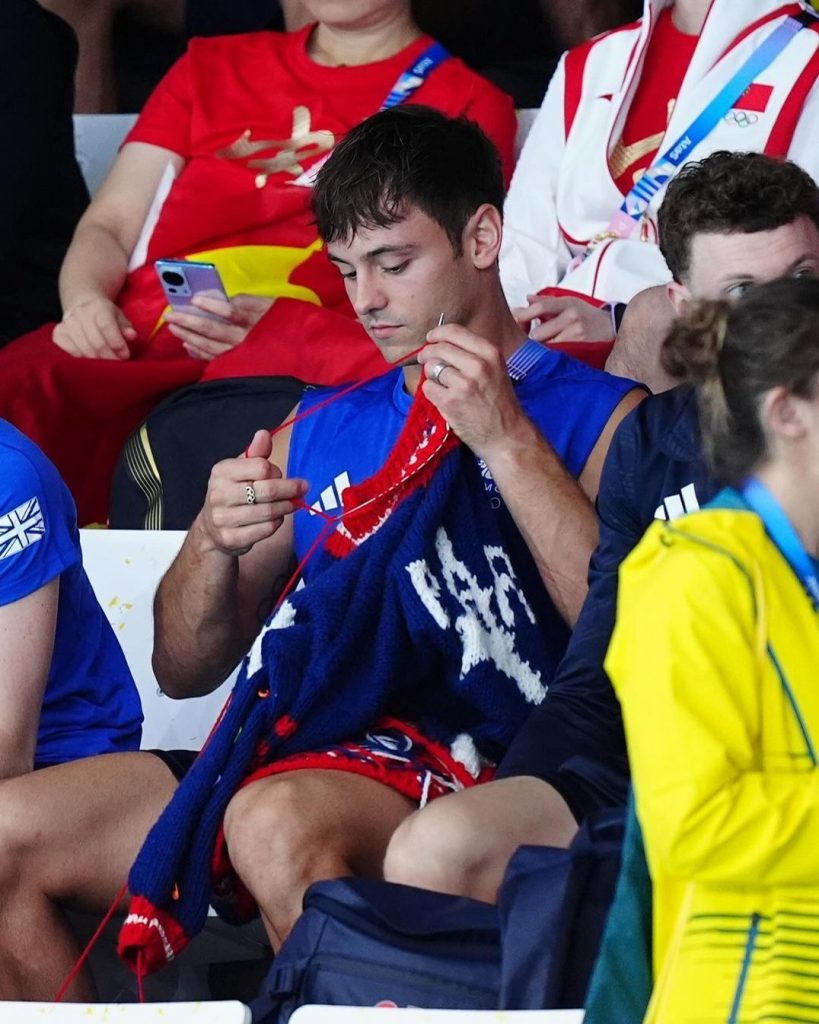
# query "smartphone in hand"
(181, 280)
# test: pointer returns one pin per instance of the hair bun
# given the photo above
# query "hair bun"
(692, 348)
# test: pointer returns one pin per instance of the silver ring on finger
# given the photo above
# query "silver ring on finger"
(437, 370)
(250, 494)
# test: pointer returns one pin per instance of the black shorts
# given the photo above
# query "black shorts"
(178, 761)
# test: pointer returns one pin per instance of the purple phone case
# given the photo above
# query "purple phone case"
(198, 279)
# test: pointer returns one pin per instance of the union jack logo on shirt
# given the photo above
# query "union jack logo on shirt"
(21, 528)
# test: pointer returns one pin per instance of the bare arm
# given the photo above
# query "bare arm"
(219, 590)
(27, 641)
(96, 264)
(553, 512)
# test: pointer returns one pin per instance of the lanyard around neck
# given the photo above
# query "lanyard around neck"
(781, 531)
(639, 197)
(404, 87)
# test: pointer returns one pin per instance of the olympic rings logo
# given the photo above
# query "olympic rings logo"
(741, 118)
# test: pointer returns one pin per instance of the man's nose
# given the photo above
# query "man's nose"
(369, 295)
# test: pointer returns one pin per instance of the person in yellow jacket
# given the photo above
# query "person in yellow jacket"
(715, 659)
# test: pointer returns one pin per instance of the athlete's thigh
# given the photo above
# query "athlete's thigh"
(80, 825)
(495, 818)
(350, 815)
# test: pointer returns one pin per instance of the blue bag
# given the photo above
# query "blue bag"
(553, 906)
(369, 943)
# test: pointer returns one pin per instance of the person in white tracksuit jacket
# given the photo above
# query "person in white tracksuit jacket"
(563, 193)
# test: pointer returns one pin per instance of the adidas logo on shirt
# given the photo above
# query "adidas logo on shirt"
(330, 498)
(676, 505)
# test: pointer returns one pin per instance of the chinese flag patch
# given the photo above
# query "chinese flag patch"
(754, 98)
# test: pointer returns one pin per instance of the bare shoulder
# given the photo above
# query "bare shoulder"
(589, 479)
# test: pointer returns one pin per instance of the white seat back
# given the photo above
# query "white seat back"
(227, 1012)
(125, 567)
(97, 138)
(388, 1015)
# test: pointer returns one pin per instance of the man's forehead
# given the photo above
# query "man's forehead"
(728, 251)
(411, 229)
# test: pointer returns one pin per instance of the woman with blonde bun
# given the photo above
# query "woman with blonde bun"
(714, 659)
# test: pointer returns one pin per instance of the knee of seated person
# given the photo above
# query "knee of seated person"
(436, 848)
(18, 832)
(270, 826)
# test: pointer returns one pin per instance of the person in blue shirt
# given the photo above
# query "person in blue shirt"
(727, 222)
(65, 689)
(409, 205)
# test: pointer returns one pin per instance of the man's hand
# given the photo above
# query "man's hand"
(564, 319)
(205, 338)
(247, 499)
(95, 329)
(473, 390)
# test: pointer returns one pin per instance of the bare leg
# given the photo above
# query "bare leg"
(68, 835)
(461, 843)
(288, 831)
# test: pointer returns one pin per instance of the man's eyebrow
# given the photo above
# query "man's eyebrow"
(740, 277)
(389, 250)
(807, 257)
(374, 254)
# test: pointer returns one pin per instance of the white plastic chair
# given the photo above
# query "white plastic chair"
(97, 138)
(125, 567)
(125, 1013)
(388, 1015)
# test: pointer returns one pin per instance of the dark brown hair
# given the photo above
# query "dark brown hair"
(410, 156)
(736, 353)
(731, 192)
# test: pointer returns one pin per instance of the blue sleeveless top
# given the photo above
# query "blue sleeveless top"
(350, 439)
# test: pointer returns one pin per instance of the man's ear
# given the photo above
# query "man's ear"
(679, 296)
(482, 236)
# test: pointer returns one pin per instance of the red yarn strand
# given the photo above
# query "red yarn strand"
(75, 970)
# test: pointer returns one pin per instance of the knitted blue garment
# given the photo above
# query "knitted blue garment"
(427, 618)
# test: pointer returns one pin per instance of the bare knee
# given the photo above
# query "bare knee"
(19, 834)
(271, 837)
(436, 848)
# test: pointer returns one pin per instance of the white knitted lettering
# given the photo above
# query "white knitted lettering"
(429, 590)
(485, 635)
(284, 617)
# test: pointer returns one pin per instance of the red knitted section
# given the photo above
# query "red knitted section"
(425, 440)
(151, 936)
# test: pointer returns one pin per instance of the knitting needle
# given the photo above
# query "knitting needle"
(413, 360)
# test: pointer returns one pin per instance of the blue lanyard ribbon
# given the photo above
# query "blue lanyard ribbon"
(640, 195)
(781, 531)
(411, 80)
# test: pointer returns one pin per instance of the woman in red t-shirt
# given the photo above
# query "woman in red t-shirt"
(229, 136)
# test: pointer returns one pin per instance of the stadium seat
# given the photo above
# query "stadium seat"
(390, 1015)
(125, 567)
(97, 138)
(125, 1013)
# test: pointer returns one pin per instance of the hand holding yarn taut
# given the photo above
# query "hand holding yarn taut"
(466, 378)
(248, 498)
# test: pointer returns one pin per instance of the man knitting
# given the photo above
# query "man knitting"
(425, 631)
